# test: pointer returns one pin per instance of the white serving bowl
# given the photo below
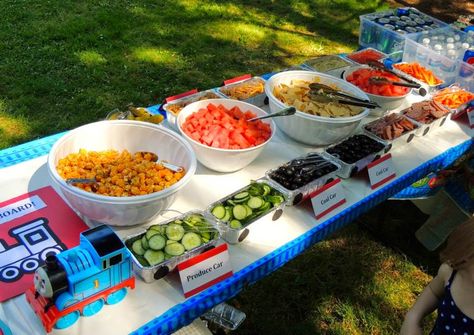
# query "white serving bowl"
(223, 160)
(313, 129)
(386, 103)
(122, 135)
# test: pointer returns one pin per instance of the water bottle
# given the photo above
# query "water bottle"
(462, 50)
(435, 58)
(422, 53)
(448, 66)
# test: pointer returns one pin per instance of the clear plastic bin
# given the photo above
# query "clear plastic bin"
(376, 35)
(448, 66)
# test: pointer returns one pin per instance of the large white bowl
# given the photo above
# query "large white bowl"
(223, 160)
(386, 103)
(120, 135)
(313, 129)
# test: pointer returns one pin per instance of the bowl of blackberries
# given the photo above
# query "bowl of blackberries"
(304, 175)
(355, 153)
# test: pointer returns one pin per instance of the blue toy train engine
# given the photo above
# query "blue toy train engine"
(82, 279)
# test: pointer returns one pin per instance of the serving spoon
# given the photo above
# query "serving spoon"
(283, 112)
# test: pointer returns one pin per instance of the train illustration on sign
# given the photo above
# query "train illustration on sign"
(79, 281)
(35, 242)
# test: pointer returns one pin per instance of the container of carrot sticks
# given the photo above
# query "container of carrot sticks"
(420, 74)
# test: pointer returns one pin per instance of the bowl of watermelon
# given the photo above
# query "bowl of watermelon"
(220, 134)
(386, 95)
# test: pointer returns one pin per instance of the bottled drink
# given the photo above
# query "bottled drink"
(435, 58)
(423, 52)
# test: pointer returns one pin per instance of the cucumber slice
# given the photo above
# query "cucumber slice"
(266, 189)
(235, 224)
(168, 256)
(265, 207)
(205, 234)
(145, 242)
(174, 249)
(191, 241)
(150, 232)
(178, 221)
(255, 202)
(228, 214)
(239, 212)
(275, 199)
(174, 232)
(170, 242)
(248, 209)
(137, 247)
(230, 202)
(195, 218)
(157, 242)
(154, 257)
(218, 211)
(241, 195)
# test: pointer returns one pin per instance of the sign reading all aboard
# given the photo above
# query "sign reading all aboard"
(204, 270)
(33, 226)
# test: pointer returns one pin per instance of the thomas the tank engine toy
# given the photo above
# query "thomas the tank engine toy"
(79, 281)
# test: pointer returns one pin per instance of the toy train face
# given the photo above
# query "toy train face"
(80, 280)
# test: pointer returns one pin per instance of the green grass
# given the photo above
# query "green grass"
(65, 63)
(348, 284)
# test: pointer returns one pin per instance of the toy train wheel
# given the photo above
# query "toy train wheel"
(30, 265)
(50, 251)
(67, 320)
(9, 274)
(93, 308)
(117, 296)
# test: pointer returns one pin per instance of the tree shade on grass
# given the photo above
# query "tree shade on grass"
(66, 63)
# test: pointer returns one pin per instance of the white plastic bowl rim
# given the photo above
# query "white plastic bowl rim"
(361, 94)
(219, 101)
(363, 66)
(136, 199)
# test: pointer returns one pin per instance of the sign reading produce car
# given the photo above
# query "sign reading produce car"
(328, 198)
(204, 270)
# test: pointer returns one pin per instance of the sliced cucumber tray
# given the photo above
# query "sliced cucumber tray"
(248, 204)
(165, 245)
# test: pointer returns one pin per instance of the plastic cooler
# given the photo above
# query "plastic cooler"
(375, 35)
(450, 69)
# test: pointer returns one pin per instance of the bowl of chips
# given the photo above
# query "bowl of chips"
(314, 123)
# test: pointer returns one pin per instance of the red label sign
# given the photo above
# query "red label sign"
(381, 171)
(32, 226)
(204, 270)
(328, 198)
(181, 95)
(237, 79)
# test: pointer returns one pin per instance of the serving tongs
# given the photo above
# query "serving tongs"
(324, 93)
(324, 97)
(380, 66)
(377, 80)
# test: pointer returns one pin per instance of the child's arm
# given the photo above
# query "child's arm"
(426, 302)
